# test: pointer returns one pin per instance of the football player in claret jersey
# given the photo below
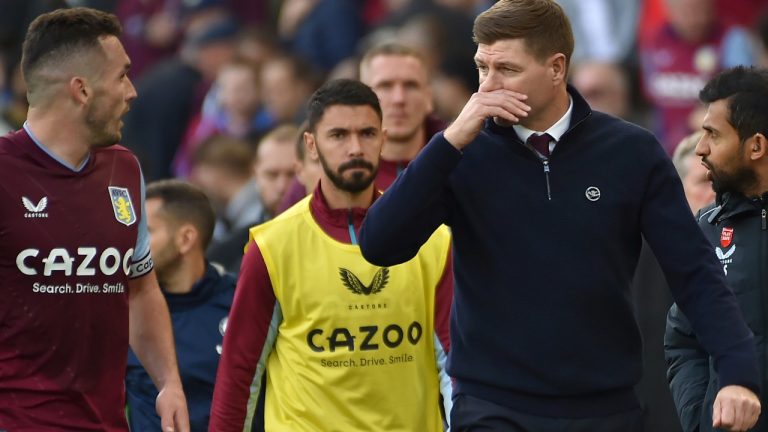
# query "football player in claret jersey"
(77, 277)
(347, 345)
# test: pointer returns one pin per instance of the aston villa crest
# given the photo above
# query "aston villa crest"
(122, 205)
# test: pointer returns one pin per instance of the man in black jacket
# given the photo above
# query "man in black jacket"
(735, 150)
(547, 202)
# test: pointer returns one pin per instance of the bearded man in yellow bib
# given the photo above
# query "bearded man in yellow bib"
(346, 345)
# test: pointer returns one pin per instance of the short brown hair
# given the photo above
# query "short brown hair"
(56, 36)
(542, 24)
(391, 49)
(223, 152)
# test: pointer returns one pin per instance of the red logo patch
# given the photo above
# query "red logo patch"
(726, 237)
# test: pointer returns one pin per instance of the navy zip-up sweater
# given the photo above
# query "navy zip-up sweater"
(199, 321)
(544, 253)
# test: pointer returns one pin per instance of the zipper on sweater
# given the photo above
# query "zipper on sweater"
(351, 227)
(763, 222)
(545, 161)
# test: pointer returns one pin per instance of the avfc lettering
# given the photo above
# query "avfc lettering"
(392, 336)
(85, 262)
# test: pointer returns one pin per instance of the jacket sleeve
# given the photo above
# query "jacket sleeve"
(695, 276)
(687, 369)
(248, 340)
(403, 219)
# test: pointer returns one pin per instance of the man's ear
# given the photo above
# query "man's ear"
(758, 145)
(186, 238)
(557, 68)
(311, 145)
(80, 90)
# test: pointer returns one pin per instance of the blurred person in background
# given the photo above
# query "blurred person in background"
(324, 33)
(691, 46)
(696, 183)
(286, 83)
(173, 90)
(256, 185)
(307, 173)
(199, 294)
(235, 111)
(605, 86)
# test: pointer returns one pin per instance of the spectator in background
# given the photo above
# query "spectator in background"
(400, 78)
(286, 84)
(222, 169)
(696, 184)
(173, 90)
(274, 165)
(307, 174)
(603, 30)
(322, 32)
(256, 185)
(180, 220)
(605, 86)
(676, 62)
(153, 31)
(13, 110)
(235, 112)
(734, 148)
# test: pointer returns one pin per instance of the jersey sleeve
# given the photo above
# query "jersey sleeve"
(248, 341)
(141, 261)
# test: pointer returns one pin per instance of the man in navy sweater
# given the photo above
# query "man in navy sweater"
(547, 233)
(199, 295)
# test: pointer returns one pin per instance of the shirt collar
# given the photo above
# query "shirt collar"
(555, 131)
(52, 155)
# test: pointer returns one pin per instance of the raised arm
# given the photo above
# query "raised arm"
(404, 217)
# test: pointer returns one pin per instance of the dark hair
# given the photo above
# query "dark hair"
(746, 90)
(61, 34)
(542, 24)
(186, 203)
(340, 92)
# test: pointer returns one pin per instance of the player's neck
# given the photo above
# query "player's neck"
(339, 199)
(187, 273)
(404, 150)
(58, 136)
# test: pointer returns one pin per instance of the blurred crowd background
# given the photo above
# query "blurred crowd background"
(240, 68)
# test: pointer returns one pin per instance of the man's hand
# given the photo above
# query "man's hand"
(505, 105)
(736, 408)
(171, 406)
